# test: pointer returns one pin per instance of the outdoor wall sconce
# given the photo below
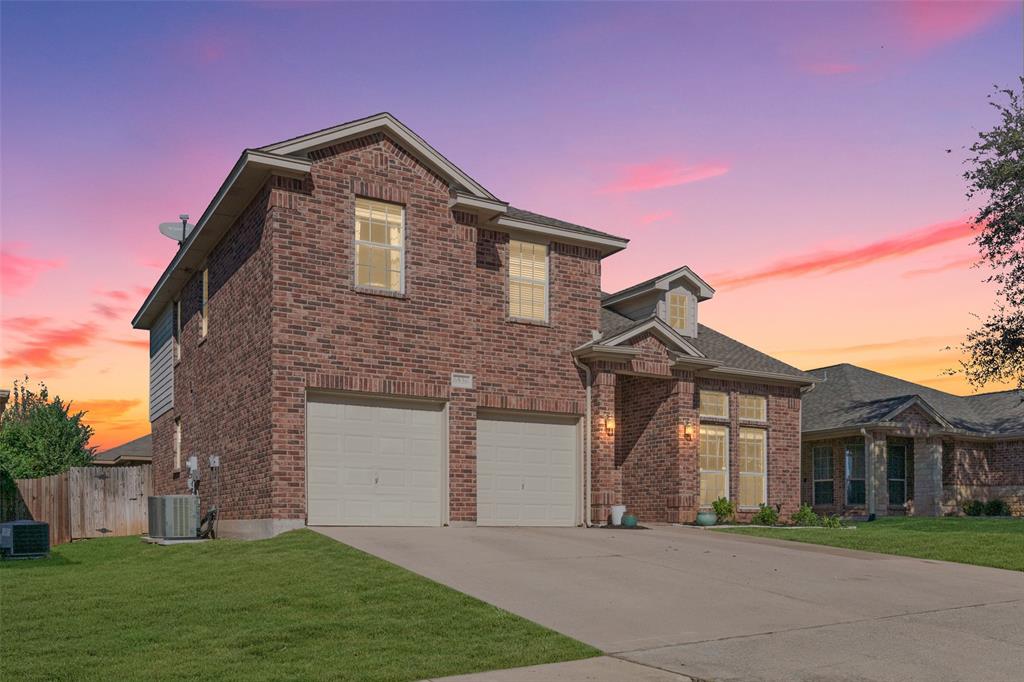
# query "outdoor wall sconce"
(688, 430)
(609, 425)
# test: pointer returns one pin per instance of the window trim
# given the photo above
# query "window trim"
(177, 331)
(547, 283)
(763, 474)
(700, 406)
(357, 242)
(849, 479)
(204, 305)
(727, 459)
(831, 470)
(177, 444)
(764, 404)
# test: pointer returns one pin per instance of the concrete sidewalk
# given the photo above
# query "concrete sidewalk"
(600, 669)
(714, 605)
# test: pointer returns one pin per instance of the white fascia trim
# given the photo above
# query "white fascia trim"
(923, 404)
(250, 158)
(655, 324)
(464, 201)
(705, 290)
(600, 351)
(607, 245)
(764, 377)
(382, 121)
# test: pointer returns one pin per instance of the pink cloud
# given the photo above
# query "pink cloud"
(960, 263)
(18, 272)
(46, 347)
(655, 217)
(829, 261)
(659, 174)
(830, 68)
(928, 25)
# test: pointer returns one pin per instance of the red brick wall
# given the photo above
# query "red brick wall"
(451, 318)
(993, 463)
(221, 385)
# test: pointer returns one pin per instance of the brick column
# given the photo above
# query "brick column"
(462, 456)
(687, 500)
(927, 475)
(878, 474)
(606, 483)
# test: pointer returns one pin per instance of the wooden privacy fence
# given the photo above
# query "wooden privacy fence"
(87, 502)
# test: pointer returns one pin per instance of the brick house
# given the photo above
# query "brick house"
(873, 443)
(366, 335)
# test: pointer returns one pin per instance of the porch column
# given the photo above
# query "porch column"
(606, 485)
(927, 475)
(877, 474)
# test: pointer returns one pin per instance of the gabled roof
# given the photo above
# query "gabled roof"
(656, 326)
(661, 283)
(304, 144)
(726, 356)
(846, 396)
(138, 450)
(529, 216)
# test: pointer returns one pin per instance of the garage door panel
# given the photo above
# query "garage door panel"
(527, 471)
(374, 463)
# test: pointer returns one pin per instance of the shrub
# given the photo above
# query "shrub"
(805, 516)
(724, 509)
(974, 508)
(766, 516)
(832, 521)
(997, 507)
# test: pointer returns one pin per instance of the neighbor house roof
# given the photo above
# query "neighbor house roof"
(138, 450)
(292, 158)
(731, 356)
(847, 396)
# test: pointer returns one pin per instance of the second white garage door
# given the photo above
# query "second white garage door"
(373, 463)
(527, 470)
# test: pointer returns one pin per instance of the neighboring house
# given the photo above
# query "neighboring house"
(366, 335)
(138, 451)
(873, 443)
(5, 395)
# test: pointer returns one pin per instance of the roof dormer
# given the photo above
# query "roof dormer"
(672, 297)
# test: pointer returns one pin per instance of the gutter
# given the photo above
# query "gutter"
(586, 441)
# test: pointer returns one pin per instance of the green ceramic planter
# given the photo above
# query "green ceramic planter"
(629, 521)
(706, 518)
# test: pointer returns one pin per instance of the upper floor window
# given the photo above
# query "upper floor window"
(677, 311)
(177, 443)
(204, 308)
(380, 245)
(754, 408)
(177, 330)
(714, 404)
(527, 281)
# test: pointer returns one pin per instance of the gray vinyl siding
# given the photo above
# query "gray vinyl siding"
(161, 364)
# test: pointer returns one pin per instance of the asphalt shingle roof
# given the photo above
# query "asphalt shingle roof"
(520, 214)
(140, 447)
(847, 395)
(714, 345)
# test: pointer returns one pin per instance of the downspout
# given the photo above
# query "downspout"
(586, 441)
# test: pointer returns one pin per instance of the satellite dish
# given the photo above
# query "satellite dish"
(178, 231)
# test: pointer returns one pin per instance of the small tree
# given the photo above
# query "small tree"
(995, 350)
(40, 436)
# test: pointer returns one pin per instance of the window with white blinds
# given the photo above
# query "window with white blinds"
(713, 451)
(527, 281)
(714, 404)
(754, 408)
(753, 467)
(677, 311)
(380, 245)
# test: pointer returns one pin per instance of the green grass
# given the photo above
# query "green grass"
(986, 542)
(297, 607)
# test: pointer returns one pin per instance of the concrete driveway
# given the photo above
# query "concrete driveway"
(716, 606)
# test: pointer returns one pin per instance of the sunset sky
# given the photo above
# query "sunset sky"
(805, 159)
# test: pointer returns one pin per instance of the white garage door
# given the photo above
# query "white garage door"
(373, 463)
(526, 471)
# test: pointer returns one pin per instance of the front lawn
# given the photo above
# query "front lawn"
(300, 606)
(986, 542)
